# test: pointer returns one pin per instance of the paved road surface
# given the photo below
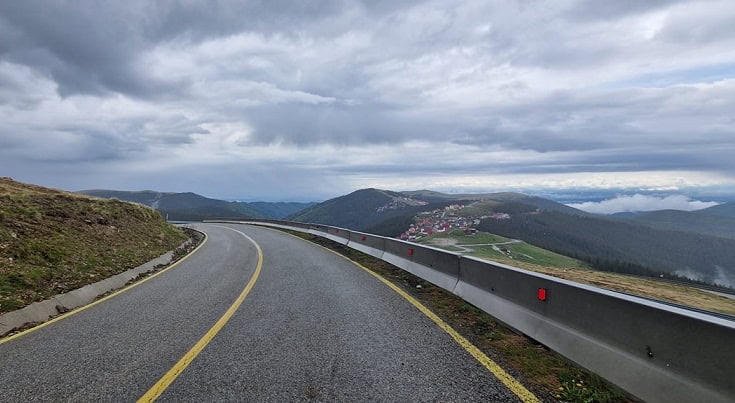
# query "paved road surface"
(314, 328)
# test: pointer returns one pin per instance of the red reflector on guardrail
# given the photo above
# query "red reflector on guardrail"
(410, 252)
(542, 294)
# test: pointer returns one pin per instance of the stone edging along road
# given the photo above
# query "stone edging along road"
(43, 311)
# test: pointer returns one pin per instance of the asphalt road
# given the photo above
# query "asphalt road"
(314, 328)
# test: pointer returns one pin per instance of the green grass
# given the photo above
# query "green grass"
(479, 208)
(524, 252)
(461, 238)
(509, 253)
(53, 242)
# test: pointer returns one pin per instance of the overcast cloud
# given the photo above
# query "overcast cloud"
(264, 100)
(639, 202)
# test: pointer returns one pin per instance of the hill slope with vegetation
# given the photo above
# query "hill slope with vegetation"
(361, 209)
(383, 211)
(723, 210)
(690, 221)
(623, 246)
(181, 206)
(52, 241)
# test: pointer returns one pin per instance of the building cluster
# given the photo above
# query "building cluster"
(399, 203)
(446, 220)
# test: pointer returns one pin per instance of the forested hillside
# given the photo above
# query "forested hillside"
(622, 246)
(360, 209)
(690, 221)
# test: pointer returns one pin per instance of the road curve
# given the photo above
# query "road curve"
(314, 328)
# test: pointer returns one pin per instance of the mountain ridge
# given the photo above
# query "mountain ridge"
(608, 243)
(189, 206)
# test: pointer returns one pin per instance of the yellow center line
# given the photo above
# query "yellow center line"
(168, 378)
(511, 383)
(101, 300)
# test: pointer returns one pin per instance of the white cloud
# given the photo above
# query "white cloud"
(469, 95)
(639, 202)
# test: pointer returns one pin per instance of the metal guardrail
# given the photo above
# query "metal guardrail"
(657, 352)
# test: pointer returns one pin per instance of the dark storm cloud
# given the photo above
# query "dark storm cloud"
(85, 49)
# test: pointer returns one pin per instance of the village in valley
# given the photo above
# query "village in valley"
(445, 220)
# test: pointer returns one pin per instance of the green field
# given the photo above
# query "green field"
(526, 253)
(462, 239)
(479, 208)
(508, 252)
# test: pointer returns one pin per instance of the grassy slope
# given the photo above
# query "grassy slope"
(52, 241)
(511, 253)
(358, 211)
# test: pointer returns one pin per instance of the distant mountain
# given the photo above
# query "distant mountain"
(625, 214)
(725, 210)
(432, 196)
(675, 243)
(624, 245)
(360, 209)
(548, 205)
(538, 202)
(193, 207)
(690, 221)
(279, 210)
(384, 210)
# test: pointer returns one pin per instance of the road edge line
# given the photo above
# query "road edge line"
(105, 298)
(170, 376)
(503, 376)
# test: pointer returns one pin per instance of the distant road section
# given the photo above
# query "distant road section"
(314, 327)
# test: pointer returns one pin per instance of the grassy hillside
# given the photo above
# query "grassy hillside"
(500, 249)
(501, 197)
(52, 241)
(147, 197)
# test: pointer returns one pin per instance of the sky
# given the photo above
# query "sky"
(309, 100)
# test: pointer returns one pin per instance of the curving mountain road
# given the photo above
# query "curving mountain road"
(314, 327)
